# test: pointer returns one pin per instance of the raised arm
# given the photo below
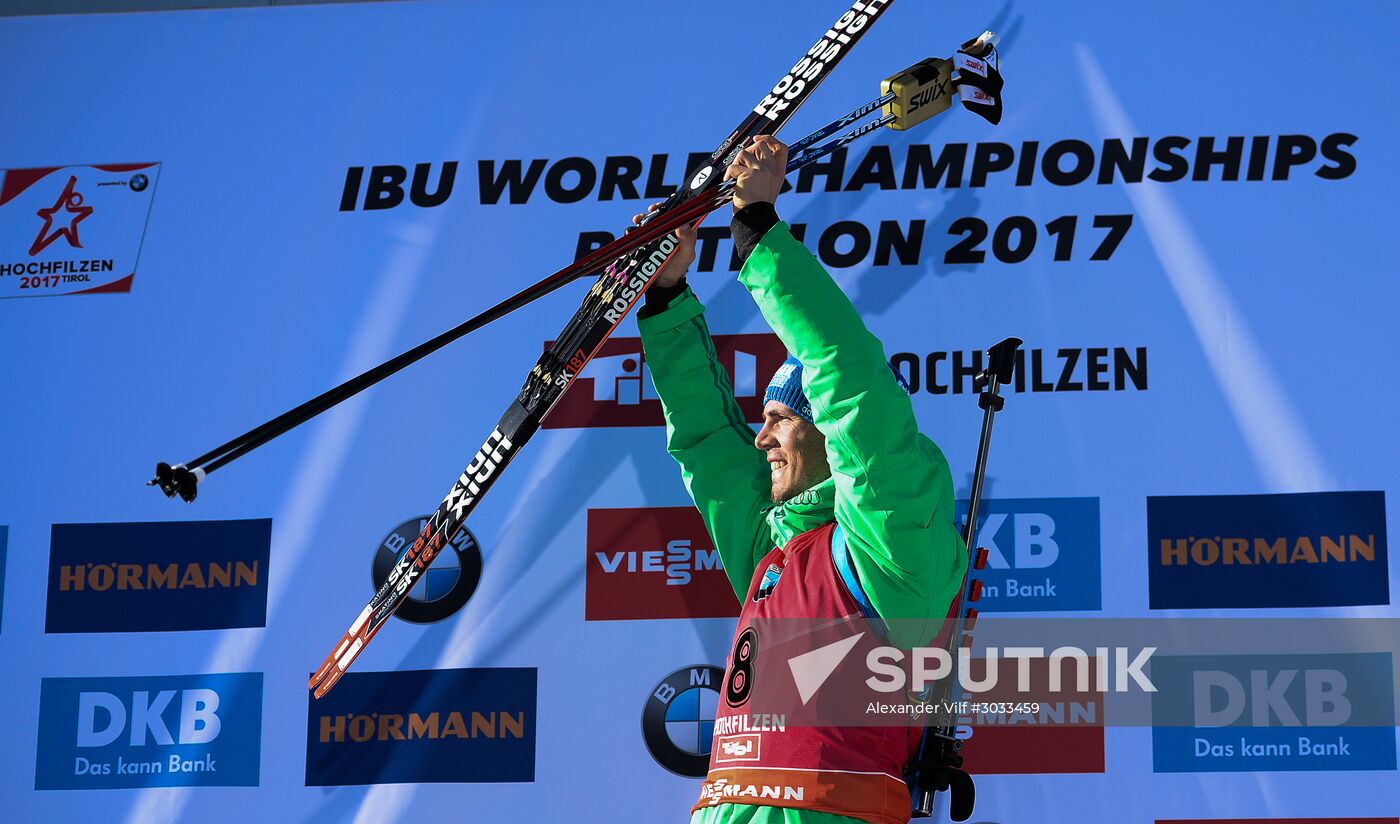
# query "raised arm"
(894, 492)
(705, 430)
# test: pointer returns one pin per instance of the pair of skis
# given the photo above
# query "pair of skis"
(631, 262)
(629, 265)
(909, 98)
(637, 256)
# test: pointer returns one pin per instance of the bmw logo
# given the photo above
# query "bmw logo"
(138, 182)
(444, 587)
(678, 722)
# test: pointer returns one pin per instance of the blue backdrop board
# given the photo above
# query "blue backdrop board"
(208, 216)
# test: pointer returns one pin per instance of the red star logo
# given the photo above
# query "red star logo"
(70, 202)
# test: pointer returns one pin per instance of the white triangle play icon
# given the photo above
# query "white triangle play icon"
(811, 669)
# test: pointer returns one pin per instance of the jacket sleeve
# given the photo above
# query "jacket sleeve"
(724, 473)
(893, 489)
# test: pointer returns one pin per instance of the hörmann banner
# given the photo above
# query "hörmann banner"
(1312, 549)
(151, 577)
(422, 726)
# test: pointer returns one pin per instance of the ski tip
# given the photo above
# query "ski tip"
(326, 685)
(338, 661)
(320, 674)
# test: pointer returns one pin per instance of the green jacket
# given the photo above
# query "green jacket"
(890, 488)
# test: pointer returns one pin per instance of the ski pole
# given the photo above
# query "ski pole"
(559, 366)
(183, 479)
(938, 764)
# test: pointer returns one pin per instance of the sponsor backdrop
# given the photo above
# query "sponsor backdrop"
(1192, 235)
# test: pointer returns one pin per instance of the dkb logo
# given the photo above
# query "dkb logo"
(1273, 712)
(1042, 554)
(189, 730)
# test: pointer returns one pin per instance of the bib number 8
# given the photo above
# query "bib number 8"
(741, 668)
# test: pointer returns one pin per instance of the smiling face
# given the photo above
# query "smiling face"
(795, 448)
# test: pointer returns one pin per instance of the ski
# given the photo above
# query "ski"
(607, 303)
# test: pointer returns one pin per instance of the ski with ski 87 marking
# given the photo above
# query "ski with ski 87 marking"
(611, 297)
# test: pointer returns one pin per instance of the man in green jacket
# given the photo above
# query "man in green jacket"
(838, 507)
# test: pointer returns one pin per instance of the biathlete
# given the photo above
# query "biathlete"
(838, 508)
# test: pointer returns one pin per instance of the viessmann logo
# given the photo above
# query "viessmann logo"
(1299, 550)
(149, 577)
(418, 726)
(615, 389)
(73, 229)
(653, 563)
(156, 731)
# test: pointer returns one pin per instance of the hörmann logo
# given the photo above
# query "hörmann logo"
(1042, 554)
(653, 563)
(360, 728)
(808, 70)
(1250, 713)
(615, 388)
(187, 730)
(1297, 550)
(1063, 735)
(417, 726)
(73, 229)
(148, 577)
(122, 577)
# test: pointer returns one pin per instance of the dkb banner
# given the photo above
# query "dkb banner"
(1186, 213)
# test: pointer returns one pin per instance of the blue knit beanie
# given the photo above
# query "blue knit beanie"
(786, 388)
